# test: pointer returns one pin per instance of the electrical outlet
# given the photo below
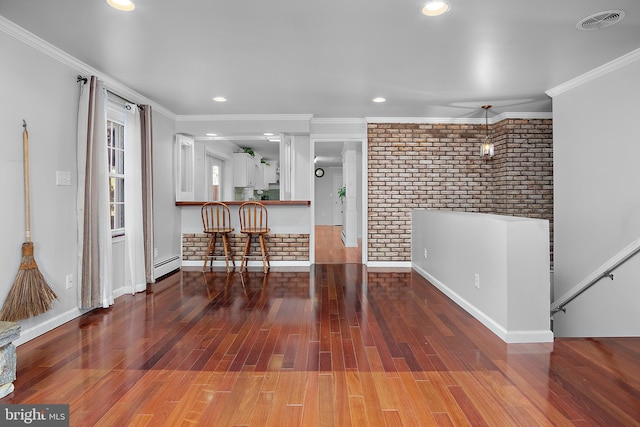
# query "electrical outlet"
(477, 281)
(425, 253)
(69, 281)
(63, 178)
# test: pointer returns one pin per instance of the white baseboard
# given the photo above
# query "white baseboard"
(41, 328)
(389, 264)
(523, 337)
(510, 337)
(167, 266)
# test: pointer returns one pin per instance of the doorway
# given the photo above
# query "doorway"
(328, 243)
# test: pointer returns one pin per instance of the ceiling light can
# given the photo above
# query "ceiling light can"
(125, 5)
(435, 8)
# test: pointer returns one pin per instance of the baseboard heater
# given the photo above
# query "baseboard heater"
(167, 266)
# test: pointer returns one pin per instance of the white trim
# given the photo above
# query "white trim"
(602, 70)
(167, 266)
(528, 337)
(530, 115)
(48, 325)
(505, 335)
(338, 121)
(241, 117)
(389, 264)
(539, 115)
(339, 137)
(48, 49)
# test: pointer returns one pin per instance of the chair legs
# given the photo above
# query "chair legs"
(211, 248)
(266, 265)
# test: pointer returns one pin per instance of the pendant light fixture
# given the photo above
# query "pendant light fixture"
(486, 148)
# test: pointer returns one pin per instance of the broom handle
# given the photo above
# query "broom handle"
(25, 144)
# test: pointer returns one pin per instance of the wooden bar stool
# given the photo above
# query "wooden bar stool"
(254, 222)
(216, 220)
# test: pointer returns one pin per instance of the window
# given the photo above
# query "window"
(115, 147)
(214, 178)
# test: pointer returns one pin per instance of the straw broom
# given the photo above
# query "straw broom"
(30, 295)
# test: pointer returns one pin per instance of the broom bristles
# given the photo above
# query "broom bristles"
(30, 294)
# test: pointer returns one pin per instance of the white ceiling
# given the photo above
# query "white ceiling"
(329, 58)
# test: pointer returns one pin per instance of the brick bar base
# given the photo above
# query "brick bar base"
(282, 247)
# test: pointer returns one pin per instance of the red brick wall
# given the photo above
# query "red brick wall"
(438, 166)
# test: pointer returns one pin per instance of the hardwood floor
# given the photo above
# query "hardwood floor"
(337, 346)
(330, 249)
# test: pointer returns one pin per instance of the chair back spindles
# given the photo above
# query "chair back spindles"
(254, 221)
(216, 220)
(254, 216)
(216, 217)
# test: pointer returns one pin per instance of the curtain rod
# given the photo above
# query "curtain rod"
(84, 80)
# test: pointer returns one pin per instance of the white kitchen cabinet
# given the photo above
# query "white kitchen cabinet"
(244, 170)
(270, 172)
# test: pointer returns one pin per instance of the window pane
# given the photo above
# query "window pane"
(115, 152)
(120, 162)
(119, 197)
(112, 189)
(118, 221)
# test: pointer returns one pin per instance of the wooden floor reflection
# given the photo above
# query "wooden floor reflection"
(338, 346)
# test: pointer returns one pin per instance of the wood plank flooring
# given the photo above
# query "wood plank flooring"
(338, 346)
(331, 250)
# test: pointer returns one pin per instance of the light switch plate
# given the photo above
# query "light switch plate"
(63, 178)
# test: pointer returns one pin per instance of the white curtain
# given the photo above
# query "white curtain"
(135, 277)
(94, 223)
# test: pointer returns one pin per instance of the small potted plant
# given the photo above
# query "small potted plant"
(342, 192)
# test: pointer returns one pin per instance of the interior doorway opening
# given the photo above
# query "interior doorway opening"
(335, 169)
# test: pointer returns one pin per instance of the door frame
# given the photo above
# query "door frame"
(362, 139)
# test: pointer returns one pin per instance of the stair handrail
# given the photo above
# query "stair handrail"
(604, 270)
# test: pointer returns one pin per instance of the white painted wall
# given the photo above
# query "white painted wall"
(509, 254)
(44, 92)
(597, 202)
(166, 216)
(42, 89)
(303, 173)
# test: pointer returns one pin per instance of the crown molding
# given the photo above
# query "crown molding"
(243, 117)
(462, 120)
(602, 70)
(523, 115)
(328, 137)
(339, 121)
(80, 67)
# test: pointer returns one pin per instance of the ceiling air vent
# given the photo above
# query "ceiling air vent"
(600, 20)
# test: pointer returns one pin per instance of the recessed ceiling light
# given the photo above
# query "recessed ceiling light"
(125, 5)
(268, 134)
(212, 134)
(220, 99)
(379, 99)
(435, 8)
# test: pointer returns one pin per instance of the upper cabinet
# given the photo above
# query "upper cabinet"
(270, 170)
(184, 164)
(246, 170)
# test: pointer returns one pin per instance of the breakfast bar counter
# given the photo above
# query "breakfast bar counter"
(288, 240)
